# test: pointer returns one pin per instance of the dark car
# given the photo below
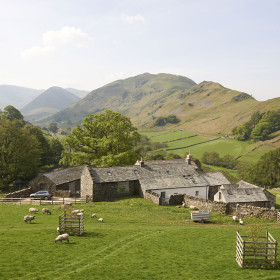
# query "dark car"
(41, 194)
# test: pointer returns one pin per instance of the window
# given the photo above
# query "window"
(136, 172)
(196, 193)
(229, 192)
(247, 192)
(168, 172)
(109, 173)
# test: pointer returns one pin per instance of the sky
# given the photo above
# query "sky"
(85, 44)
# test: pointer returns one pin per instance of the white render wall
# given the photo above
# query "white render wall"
(190, 191)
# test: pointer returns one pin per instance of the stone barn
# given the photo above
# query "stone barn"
(162, 178)
(244, 193)
(65, 182)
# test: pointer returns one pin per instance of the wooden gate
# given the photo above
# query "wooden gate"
(73, 225)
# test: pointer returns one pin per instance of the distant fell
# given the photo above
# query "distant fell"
(16, 96)
(78, 92)
(49, 102)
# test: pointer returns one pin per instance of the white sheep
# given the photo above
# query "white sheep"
(75, 212)
(61, 237)
(33, 210)
(93, 215)
(58, 230)
(80, 214)
(29, 218)
(241, 222)
(234, 218)
(100, 220)
(46, 210)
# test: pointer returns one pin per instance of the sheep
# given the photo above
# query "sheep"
(31, 210)
(46, 210)
(100, 220)
(80, 214)
(93, 215)
(241, 222)
(234, 218)
(75, 212)
(58, 230)
(61, 237)
(29, 218)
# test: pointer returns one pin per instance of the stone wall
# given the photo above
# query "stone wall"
(154, 197)
(21, 193)
(176, 199)
(86, 183)
(202, 204)
(242, 211)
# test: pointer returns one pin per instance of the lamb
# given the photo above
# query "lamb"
(61, 237)
(234, 218)
(100, 220)
(31, 210)
(29, 218)
(93, 215)
(46, 210)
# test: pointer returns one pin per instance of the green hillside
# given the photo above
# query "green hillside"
(207, 107)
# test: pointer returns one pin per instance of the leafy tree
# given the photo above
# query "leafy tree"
(43, 143)
(56, 149)
(53, 127)
(19, 153)
(104, 139)
(10, 113)
(161, 155)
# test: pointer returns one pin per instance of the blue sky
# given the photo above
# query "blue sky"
(86, 44)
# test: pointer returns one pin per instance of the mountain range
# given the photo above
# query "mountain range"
(207, 107)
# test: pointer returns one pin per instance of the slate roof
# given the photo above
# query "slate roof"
(215, 179)
(235, 195)
(65, 175)
(160, 174)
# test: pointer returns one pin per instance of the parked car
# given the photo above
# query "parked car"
(41, 194)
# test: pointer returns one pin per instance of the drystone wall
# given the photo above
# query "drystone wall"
(202, 204)
(18, 194)
(154, 197)
(244, 211)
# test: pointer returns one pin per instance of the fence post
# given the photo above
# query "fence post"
(40, 200)
(20, 200)
(75, 198)
(63, 199)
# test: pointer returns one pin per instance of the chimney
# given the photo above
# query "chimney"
(189, 159)
(141, 163)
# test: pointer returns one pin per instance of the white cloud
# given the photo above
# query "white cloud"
(37, 51)
(52, 40)
(67, 35)
(133, 19)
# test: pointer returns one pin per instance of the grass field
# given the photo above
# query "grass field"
(222, 146)
(138, 240)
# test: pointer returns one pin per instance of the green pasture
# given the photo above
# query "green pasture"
(222, 146)
(137, 240)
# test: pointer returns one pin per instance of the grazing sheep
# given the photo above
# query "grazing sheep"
(28, 218)
(75, 212)
(61, 237)
(241, 222)
(234, 218)
(178, 206)
(100, 220)
(46, 210)
(31, 210)
(93, 215)
(80, 214)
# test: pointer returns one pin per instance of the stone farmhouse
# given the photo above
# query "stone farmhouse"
(244, 193)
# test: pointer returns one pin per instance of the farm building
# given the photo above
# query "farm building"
(244, 193)
(163, 178)
(64, 182)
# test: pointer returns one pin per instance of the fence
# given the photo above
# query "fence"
(73, 225)
(256, 254)
(60, 200)
(278, 216)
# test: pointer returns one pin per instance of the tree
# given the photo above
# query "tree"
(53, 127)
(56, 149)
(19, 153)
(104, 139)
(10, 113)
